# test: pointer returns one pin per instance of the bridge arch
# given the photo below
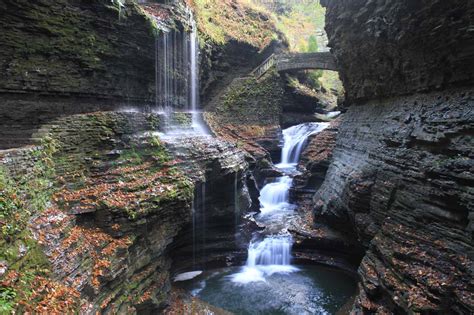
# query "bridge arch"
(297, 61)
(305, 61)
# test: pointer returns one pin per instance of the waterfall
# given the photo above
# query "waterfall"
(272, 255)
(194, 45)
(275, 196)
(271, 251)
(236, 200)
(294, 139)
(177, 78)
(197, 122)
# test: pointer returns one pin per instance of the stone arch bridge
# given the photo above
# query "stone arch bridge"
(297, 61)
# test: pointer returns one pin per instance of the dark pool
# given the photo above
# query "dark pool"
(311, 290)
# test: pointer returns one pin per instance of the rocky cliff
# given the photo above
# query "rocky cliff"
(91, 201)
(89, 215)
(66, 57)
(402, 172)
(393, 48)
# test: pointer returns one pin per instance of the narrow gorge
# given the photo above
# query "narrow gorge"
(236, 157)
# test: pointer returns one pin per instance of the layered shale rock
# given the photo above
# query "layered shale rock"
(394, 48)
(67, 57)
(114, 201)
(220, 172)
(314, 163)
(402, 172)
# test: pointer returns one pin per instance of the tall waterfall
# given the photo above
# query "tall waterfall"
(177, 75)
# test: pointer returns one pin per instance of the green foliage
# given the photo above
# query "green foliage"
(7, 300)
(220, 21)
(35, 187)
(248, 102)
(20, 198)
(299, 21)
(312, 44)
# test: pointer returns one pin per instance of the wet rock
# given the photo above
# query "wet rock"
(314, 162)
(221, 198)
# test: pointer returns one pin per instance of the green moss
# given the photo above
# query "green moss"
(252, 102)
(181, 119)
(20, 198)
(154, 121)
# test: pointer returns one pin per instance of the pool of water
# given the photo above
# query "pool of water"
(309, 290)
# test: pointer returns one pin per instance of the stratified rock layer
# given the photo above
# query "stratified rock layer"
(388, 48)
(402, 174)
(402, 178)
(119, 200)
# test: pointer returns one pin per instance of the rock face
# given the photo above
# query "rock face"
(314, 163)
(402, 172)
(220, 172)
(66, 57)
(72, 47)
(119, 200)
(394, 48)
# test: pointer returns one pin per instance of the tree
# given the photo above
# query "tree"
(312, 44)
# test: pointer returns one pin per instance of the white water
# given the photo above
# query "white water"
(294, 140)
(273, 254)
(333, 114)
(177, 79)
(275, 196)
(197, 122)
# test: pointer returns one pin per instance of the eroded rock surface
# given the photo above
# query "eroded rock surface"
(402, 172)
(394, 48)
(119, 199)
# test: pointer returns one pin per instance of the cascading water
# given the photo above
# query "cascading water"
(294, 139)
(275, 196)
(273, 253)
(197, 123)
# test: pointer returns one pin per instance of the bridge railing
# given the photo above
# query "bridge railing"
(264, 66)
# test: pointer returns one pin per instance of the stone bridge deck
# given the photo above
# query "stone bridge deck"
(305, 61)
(297, 61)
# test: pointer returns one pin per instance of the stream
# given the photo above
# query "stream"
(269, 283)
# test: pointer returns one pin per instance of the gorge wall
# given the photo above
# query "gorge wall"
(66, 57)
(402, 173)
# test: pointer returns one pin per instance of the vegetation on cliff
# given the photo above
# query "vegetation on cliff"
(224, 20)
(69, 46)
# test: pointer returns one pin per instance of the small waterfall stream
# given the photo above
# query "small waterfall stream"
(273, 253)
(294, 139)
(177, 80)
